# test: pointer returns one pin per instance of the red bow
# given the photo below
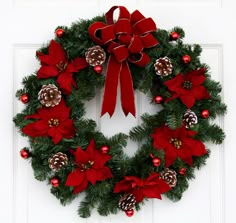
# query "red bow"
(125, 41)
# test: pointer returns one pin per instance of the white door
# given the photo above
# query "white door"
(26, 24)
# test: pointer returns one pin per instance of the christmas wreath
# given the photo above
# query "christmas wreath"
(68, 150)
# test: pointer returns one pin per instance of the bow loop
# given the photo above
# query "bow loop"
(123, 26)
(144, 26)
(141, 59)
(124, 14)
(136, 45)
(121, 53)
(101, 34)
(148, 40)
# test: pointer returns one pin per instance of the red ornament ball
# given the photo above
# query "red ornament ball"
(158, 99)
(24, 98)
(105, 149)
(182, 171)
(174, 36)
(24, 153)
(98, 69)
(129, 213)
(205, 114)
(156, 162)
(186, 59)
(54, 182)
(60, 32)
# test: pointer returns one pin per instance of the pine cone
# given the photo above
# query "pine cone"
(163, 66)
(169, 176)
(49, 95)
(190, 118)
(127, 202)
(57, 161)
(95, 56)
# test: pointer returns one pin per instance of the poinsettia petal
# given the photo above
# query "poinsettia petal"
(94, 175)
(101, 159)
(55, 134)
(47, 71)
(197, 77)
(104, 173)
(188, 100)
(91, 175)
(160, 137)
(60, 111)
(176, 133)
(190, 133)
(196, 146)
(79, 63)
(151, 192)
(33, 116)
(67, 129)
(81, 157)
(81, 187)
(55, 50)
(134, 181)
(152, 177)
(95, 155)
(163, 186)
(174, 96)
(46, 59)
(185, 154)
(200, 92)
(36, 129)
(170, 155)
(176, 83)
(122, 186)
(91, 149)
(70, 69)
(138, 194)
(75, 178)
(66, 81)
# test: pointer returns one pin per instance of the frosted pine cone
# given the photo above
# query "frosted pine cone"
(163, 66)
(190, 118)
(169, 176)
(57, 161)
(49, 95)
(127, 202)
(95, 56)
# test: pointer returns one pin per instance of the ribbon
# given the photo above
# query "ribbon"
(125, 41)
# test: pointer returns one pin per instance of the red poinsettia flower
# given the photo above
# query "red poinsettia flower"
(90, 168)
(151, 187)
(188, 87)
(56, 64)
(177, 143)
(53, 122)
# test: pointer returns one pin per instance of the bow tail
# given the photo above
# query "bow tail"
(127, 90)
(111, 84)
